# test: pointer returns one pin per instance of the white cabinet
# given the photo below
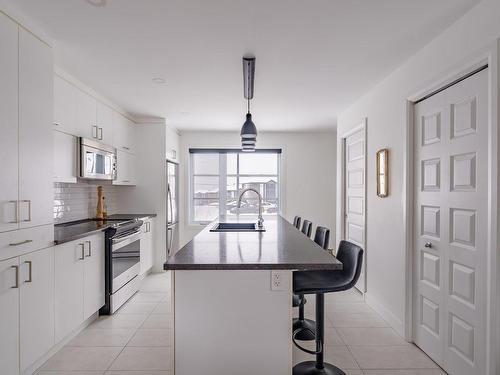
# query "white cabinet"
(125, 170)
(64, 106)
(93, 275)
(124, 133)
(104, 123)
(68, 287)
(147, 248)
(65, 157)
(36, 302)
(9, 123)
(35, 131)
(9, 313)
(86, 112)
(172, 144)
(79, 282)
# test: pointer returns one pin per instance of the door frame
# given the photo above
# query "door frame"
(488, 55)
(362, 126)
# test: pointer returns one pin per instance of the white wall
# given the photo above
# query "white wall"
(309, 172)
(385, 108)
(148, 196)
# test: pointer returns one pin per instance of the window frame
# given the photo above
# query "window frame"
(223, 177)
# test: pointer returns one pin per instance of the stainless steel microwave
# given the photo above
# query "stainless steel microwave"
(97, 160)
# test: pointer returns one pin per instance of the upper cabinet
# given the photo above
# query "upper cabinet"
(64, 106)
(104, 123)
(172, 144)
(86, 115)
(123, 133)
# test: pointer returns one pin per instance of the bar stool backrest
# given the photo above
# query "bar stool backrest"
(296, 222)
(307, 228)
(322, 237)
(351, 256)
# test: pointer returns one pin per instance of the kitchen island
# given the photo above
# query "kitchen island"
(233, 297)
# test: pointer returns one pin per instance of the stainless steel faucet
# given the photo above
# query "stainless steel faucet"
(260, 221)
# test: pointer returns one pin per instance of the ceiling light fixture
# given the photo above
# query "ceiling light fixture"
(248, 130)
(158, 80)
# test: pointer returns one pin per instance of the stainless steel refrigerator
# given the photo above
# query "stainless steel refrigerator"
(172, 208)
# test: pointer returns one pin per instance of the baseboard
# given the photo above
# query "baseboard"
(388, 316)
(35, 366)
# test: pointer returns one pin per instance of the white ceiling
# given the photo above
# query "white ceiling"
(314, 57)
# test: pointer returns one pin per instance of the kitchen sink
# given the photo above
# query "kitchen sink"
(237, 227)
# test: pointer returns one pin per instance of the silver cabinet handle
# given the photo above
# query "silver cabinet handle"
(174, 154)
(29, 209)
(94, 131)
(428, 245)
(126, 148)
(82, 256)
(148, 226)
(90, 248)
(16, 285)
(99, 132)
(30, 274)
(56, 124)
(20, 243)
(126, 180)
(16, 205)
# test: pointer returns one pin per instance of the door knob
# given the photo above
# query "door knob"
(428, 245)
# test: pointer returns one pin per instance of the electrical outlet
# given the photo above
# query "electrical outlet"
(277, 281)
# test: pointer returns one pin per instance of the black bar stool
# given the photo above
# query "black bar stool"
(307, 228)
(319, 283)
(296, 221)
(307, 327)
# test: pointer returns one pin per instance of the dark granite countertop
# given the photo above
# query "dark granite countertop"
(75, 230)
(281, 246)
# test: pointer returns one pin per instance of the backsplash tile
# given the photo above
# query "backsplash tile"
(78, 201)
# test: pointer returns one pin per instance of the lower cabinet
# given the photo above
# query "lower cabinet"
(79, 282)
(147, 248)
(26, 309)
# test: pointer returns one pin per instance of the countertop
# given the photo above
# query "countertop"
(75, 230)
(281, 246)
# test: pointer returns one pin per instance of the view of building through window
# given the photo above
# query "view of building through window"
(218, 178)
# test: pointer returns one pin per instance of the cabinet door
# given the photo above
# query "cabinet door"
(9, 122)
(65, 157)
(146, 247)
(125, 168)
(93, 279)
(9, 311)
(86, 111)
(123, 133)
(64, 106)
(35, 131)
(36, 303)
(104, 123)
(69, 263)
(172, 144)
(131, 136)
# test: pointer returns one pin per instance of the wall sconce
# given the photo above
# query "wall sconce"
(383, 173)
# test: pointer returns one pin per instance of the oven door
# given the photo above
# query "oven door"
(126, 260)
(96, 163)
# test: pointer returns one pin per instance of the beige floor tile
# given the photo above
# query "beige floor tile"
(159, 321)
(134, 307)
(370, 336)
(103, 337)
(70, 373)
(84, 359)
(139, 373)
(344, 297)
(163, 308)
(356, 320)
(405, 372)
(119, 321)
(144, 359)
(391, 357)
(156, 282)
(149, 297)
(337, 355)
(349, 307)
(152, 337)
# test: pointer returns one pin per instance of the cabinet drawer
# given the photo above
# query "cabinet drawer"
(22, 241)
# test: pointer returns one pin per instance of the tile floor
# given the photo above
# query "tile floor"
(138, 339)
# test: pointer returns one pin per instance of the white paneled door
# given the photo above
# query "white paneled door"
(450, 226)
(354, 204)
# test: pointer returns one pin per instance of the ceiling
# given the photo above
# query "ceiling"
(314, 58)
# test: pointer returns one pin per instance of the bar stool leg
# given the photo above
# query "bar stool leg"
(306, 326)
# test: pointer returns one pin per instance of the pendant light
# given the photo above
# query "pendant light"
(248, 130)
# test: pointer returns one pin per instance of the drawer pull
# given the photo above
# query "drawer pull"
(20, 243)
(90, 248)
(82, 246)
(30, 275)
(29, 209)
(16, 285)
(17, 212)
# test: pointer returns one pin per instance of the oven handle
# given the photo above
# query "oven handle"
(122, 242)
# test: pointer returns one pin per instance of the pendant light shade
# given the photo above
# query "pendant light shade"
(248, 130)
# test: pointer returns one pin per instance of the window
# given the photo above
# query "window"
(218, 177)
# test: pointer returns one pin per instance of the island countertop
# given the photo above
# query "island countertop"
(281, 246)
